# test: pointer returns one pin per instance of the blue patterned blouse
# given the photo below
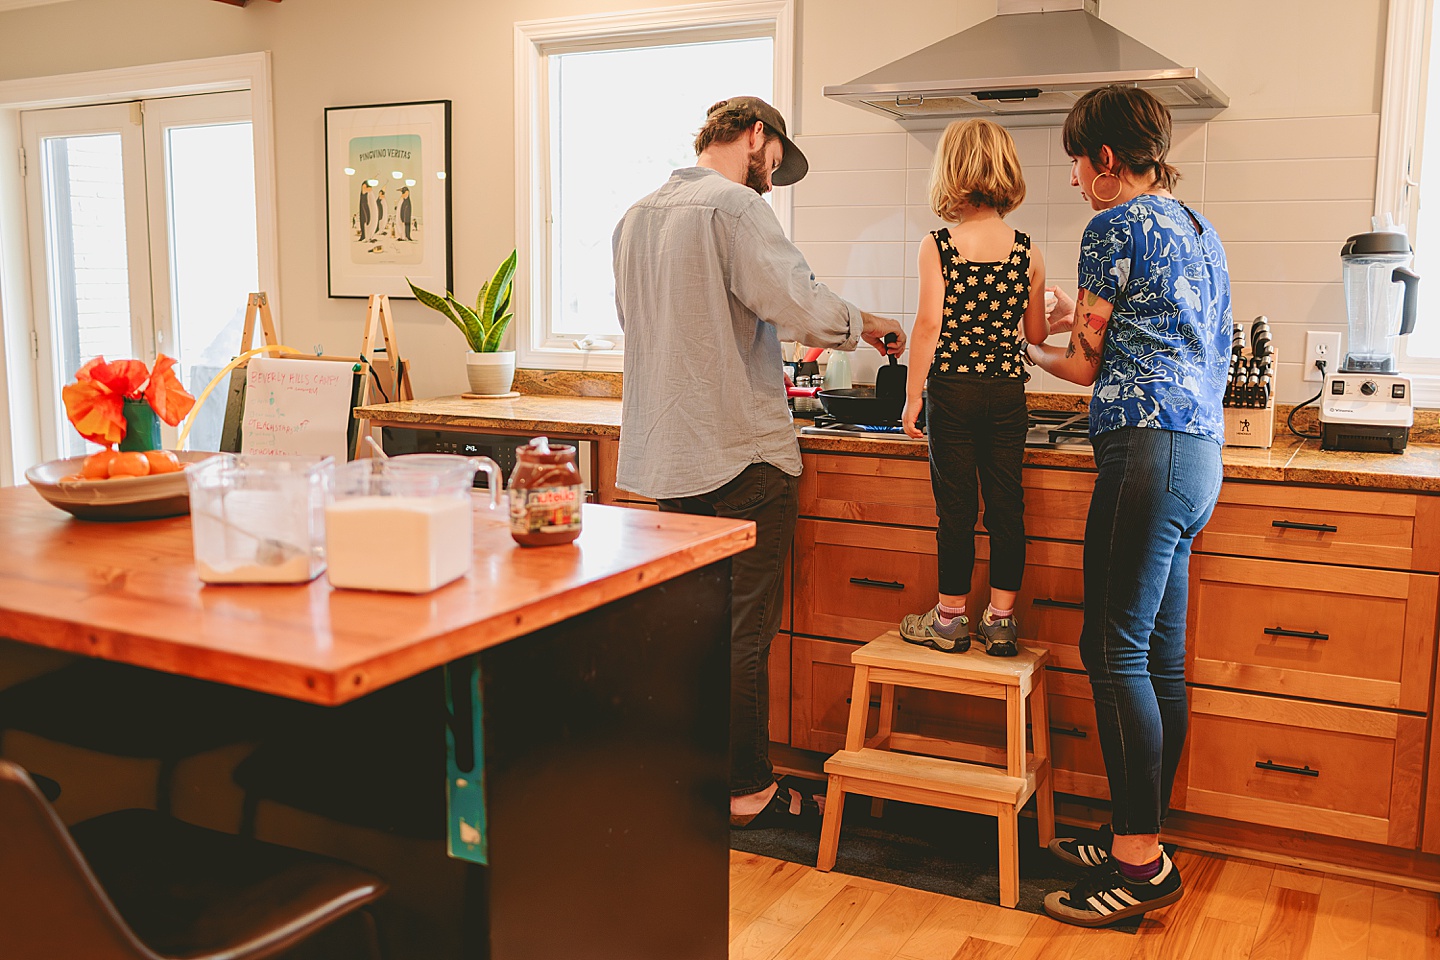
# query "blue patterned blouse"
(1167, 348)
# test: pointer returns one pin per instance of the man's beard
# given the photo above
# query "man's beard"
(755, 177)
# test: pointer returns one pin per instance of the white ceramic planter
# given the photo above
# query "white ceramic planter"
(490, 373)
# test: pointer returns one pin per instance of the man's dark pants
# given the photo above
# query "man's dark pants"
(770, 497)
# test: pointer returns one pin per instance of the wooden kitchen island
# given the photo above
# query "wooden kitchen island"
(602, 693)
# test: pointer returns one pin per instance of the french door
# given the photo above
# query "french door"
(143, 241)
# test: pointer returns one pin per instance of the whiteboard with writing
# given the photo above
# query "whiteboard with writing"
(297, 407)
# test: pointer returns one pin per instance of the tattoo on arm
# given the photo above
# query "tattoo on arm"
(1070, 348)
(1092, 353)
(1095, 322)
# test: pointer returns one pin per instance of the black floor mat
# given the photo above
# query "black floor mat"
(927, 848)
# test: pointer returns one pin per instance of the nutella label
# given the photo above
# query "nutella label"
(546, 509)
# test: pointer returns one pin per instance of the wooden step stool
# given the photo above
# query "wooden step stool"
(874, 768)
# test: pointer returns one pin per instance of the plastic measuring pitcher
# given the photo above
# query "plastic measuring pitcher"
(406, 524)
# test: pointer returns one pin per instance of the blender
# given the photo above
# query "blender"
(1367, 404)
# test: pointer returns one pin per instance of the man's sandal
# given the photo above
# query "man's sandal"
(789, 807)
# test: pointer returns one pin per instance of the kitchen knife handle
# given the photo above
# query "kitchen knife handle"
(1299, 634)
(1296, 525)
(1062, 604)
(887, 584)
(1305, 771)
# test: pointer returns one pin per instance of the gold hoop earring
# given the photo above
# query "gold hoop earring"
(1119, 186)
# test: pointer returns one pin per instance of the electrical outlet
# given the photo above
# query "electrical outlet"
(1321, 345)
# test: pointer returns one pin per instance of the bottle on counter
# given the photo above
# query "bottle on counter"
(837, 371)
(546, 495)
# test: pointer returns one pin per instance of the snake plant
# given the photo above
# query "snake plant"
(485, 325)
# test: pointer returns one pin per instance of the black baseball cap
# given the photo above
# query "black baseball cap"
(793, 165)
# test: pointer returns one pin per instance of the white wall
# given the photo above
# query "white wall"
(1272, 184)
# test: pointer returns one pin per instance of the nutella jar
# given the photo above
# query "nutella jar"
(546, 493)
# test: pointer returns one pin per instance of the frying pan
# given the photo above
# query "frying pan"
(860, 405)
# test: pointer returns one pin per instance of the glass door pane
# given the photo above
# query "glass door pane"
(211, 263)
(92, 285)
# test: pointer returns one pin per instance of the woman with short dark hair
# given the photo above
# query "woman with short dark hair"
(1151, 332)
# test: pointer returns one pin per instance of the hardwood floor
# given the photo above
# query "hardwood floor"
(1233, 910)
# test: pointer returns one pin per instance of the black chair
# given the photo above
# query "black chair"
(138, 885)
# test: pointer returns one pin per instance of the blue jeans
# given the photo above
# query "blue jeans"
(1154, 492)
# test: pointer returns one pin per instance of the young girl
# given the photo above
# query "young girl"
(982, 296)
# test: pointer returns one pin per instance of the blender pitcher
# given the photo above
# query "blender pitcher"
(405, 524)
(1380, 297)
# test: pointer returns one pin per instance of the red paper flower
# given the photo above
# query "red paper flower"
(171, 401)
(95, 402)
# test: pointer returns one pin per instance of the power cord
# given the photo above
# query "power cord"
(1290, 420)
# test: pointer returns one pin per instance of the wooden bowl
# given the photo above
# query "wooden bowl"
(123, 498)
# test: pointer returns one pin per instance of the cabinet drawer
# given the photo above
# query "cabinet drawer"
(1074, 744)
(1324, 632)
(1397, 531)
(1341, 771)
(855, 581)
(1051, 604)
(878, 490)
(872, 489)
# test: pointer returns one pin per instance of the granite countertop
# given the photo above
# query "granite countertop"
(1289, 460)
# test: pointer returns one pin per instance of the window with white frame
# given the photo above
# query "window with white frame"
(1408, 174)
(606, 108)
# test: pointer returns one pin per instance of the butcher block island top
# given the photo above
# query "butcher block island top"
(1289, 460)
(129, 592)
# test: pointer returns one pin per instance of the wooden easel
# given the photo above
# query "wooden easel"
(393, 385)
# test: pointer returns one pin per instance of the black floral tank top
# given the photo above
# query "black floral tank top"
(980, 320)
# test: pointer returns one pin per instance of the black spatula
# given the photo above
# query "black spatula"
(890, 380)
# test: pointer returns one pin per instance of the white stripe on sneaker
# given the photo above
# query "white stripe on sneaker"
(1125, 895)
(1100, 907)
(1091, 856)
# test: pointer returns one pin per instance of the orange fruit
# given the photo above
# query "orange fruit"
(162, 461)
(97, 465)
(130, 464)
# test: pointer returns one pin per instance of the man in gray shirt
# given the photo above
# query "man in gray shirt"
(706, 286)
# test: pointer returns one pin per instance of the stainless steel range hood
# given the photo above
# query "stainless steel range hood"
(1027, 65)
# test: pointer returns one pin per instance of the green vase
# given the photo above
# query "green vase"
(142, 426)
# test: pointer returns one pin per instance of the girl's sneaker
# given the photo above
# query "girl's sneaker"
(925, 629)
(1106, 896)
(998, 636)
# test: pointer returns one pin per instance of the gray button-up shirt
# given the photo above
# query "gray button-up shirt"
(707, 285)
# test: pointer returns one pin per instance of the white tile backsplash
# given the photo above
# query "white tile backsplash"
(879, 223)
(1282, 193)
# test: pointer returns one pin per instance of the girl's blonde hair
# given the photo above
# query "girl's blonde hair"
(975, 163)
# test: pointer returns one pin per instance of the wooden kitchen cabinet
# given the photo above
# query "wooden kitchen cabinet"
(1344, 634)
(1342, 771)
(1395, 531)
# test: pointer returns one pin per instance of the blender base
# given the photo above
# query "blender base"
(1363, 438)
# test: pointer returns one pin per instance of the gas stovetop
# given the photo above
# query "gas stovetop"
(1058, 428)
(1048, 428)
(828, 426)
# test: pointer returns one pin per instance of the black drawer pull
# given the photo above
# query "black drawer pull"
(1300, 634)
(887, 584)
(1295, 525)
(1062, 604)
(873, 703)
(1075, 732)
(1304, 771)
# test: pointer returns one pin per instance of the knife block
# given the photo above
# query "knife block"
(1252, 426)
